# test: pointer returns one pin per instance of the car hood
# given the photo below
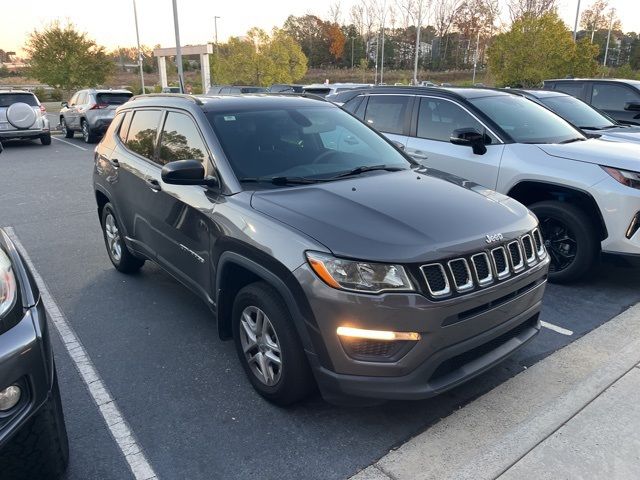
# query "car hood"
(620, 134)
(599, 151)
(403, 217)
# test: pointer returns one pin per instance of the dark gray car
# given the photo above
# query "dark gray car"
(33, 438)
(327, 254)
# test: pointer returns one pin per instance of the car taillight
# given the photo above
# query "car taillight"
(43, 109)
(99, 106)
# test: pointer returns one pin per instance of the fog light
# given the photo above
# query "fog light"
(376, 334)
(9, 397)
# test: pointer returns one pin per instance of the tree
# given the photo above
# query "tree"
(538, 48)
(65, 58)
(536, 8)
(595, 18)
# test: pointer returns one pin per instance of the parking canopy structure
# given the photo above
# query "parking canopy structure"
(203, 50)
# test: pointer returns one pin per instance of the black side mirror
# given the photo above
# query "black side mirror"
(64, 104)
(632, 106)
(186, 172)
(470, 137)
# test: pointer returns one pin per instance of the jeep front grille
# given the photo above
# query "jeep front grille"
(464, 274)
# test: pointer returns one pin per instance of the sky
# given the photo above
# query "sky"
(112, 23)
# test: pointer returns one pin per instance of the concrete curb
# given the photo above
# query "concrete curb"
(488, 436)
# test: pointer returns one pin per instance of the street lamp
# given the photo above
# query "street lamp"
(135, 16)
(178, 50)
(575, 25)
(352, 40)
(215, 27)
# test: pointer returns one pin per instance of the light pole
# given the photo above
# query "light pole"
(575, 25)
(352, 40)
(384, 14)
(475, 57)
(178, 50)
(135, 16)
(606, 50)
(215, 27)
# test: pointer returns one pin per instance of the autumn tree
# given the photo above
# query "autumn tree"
(65, 58)
(538, 48)
(337, 41)
(595, 18)
(535, 8)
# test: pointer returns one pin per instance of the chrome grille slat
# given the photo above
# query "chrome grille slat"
(529, 251)
(482, 259)
(462, 279)
(433, 269)
(515, 256)
(500, 262)
(537, 237)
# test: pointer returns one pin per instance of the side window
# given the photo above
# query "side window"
(141, 138)
(180, 140)
(82, 98)
(570, 88)
(609, 96)
(225, 90)
(73, 100)
(438, 119)
(387, 113)
(352, 105)
(124, 128)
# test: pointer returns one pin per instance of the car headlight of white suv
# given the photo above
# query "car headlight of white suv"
(625, 177)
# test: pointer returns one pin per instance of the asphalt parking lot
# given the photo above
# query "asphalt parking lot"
(181, 389)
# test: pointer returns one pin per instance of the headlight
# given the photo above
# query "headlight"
(625, 177)
(8, 287)
(358, 276)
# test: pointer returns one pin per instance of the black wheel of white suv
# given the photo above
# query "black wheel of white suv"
(66, 131)
(119, 254)
(569, 237)
(268, 346)
(87, 135)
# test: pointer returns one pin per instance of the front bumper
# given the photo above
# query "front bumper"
(25, 359)
(460, 337)
(619, 205)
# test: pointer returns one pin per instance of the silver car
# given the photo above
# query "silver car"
(23, 117)
(90, 111)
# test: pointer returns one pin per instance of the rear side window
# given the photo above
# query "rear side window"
(82, 98)
(124, 128)
(387, 113)
(439, 118)
(352, 105)
(574, 88)
(142, 132)
(181, 140)
(113, 98)
(8, 99)
(609, 96)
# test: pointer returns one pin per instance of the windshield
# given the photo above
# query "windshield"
(113, 98)
(577, 112)
(526, 121)
(313, 143)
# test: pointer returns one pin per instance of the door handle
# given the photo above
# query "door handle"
(153, 184)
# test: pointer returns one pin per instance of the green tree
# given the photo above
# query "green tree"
(65, 58)
(538, 48)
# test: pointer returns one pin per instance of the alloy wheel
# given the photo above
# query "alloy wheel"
(112, 233)
(261, 346)
(560, 242)
(63, 127)
(85, 132)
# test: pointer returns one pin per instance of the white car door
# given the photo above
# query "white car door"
(389, 114)
(438, 118)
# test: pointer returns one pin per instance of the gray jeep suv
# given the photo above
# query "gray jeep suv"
(90, 112)
(327, 254)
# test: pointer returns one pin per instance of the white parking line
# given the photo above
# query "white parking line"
(69, 143)
(117, 425)
(557, 329)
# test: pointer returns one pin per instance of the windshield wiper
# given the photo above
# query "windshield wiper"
(280, 180)
(571, 140)
(368, 168)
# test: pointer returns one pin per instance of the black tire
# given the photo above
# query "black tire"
(579, 239)
(40, 450)
(87, 134)
(66, 131)
(125, 262)
(296, 379)
(45, 139)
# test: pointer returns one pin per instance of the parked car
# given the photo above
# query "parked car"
(235, 89)
(327, 254)
(586, 192)
(285, 88)
(90, 112)
(620, 99)
(171, 90)
(324, 89)
(340, 98)
(582, 115)
(22, 116)
(33, 437)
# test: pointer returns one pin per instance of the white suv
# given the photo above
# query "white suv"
(586, 192)
(23, 117)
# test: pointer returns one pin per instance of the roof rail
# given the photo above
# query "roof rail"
(186, 96)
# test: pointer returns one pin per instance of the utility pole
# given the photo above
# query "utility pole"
(384, 14)
(475, 57)
(215, 26)
(606, 50)
(417, 55)
(352, 40)
(575, 25)
(375, 78)
(178, 50)
(135, 16)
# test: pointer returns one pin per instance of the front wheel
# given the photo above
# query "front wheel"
(268, 346)
(87, 135)
(45, 139)
(568, 235)
(119, 254)
(66, 131)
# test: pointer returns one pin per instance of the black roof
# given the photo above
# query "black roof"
(259, 101)
(635, 83)
(460, 92)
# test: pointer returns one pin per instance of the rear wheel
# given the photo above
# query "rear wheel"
(87, 135)
(119, 254)
(66, 131)
(40, 450)
(268, 346)
(46, 139)
(568, 235)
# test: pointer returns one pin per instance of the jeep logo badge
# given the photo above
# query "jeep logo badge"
(494, 238)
